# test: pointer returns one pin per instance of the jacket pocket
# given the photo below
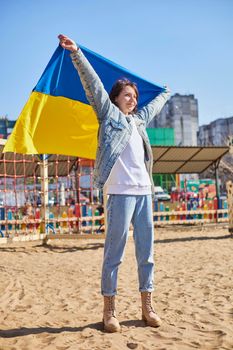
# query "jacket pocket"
(115, 124)
(112, 129)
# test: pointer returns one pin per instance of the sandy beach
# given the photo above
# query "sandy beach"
(49, 294)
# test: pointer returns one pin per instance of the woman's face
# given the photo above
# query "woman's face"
(127, 99)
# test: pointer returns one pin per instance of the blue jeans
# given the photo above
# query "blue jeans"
(121, 210)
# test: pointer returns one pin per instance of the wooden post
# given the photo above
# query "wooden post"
(44, 190)
(230, 205)
(217, 183)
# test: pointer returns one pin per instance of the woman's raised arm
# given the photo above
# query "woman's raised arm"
(94, 89)
(154, 107)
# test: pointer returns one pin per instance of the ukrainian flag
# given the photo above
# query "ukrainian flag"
(57, 118)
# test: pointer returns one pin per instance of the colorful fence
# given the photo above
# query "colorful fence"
(191, 212)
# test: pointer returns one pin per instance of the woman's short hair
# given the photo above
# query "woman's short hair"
(118, 86)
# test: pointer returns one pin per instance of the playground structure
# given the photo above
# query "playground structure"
(54, 195)
(47, 194)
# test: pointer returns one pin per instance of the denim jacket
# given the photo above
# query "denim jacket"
(115, 128)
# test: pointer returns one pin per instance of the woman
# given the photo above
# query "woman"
(123, 167)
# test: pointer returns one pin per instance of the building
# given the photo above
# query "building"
(181, 114)
(219, 133)
(6, 127)
(216, 133)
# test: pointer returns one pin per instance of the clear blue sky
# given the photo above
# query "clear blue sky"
(186, 44)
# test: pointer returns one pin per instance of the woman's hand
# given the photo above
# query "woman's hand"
(167, 88)
(67, 43)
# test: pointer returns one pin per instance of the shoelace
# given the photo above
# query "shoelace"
(111, 305)
(148, 303)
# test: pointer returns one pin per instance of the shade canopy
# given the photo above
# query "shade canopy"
(185, 159)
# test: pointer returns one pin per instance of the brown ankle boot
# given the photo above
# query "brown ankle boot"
(110, 321)
(148, 313)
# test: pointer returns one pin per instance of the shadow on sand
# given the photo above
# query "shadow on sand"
(50, 247)
(190, 239)
(23, 331)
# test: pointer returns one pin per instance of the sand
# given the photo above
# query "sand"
(49, 295)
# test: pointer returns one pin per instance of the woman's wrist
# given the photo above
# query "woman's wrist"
(75, 49)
